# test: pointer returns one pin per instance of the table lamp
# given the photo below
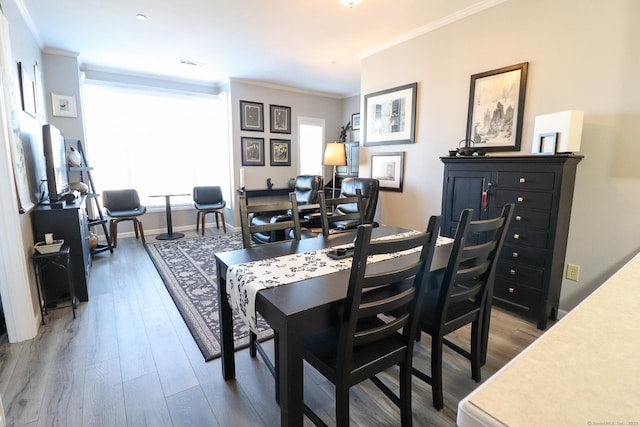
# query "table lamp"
(335, 154)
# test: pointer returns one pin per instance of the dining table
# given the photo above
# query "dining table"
(299, 308)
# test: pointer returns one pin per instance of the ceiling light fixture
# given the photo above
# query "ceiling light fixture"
(349, 3)
(141, 17)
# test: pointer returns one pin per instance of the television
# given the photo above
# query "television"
(55, 163)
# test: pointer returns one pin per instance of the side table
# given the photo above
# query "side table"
(41, 262)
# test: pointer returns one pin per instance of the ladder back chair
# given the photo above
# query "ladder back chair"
(331, 214)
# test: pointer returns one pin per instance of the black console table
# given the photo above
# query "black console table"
(267, 192)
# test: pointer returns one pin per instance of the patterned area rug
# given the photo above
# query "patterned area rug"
(188, 269)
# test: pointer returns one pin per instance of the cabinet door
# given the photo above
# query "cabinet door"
(464, 189)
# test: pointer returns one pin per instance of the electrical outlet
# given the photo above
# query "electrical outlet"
(573, 272)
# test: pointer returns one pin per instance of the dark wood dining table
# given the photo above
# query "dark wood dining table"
(296, 309)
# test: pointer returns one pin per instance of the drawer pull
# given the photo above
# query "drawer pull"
(522, 180)
(515, 254)
(520, 199)
(511, 290)
(516, 236)
(512, 272)
(518, 218)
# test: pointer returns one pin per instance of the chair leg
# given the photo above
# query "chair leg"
(436, 372)
(135, 227)
(215, 213)
(113, 230)
(197, 221)
(224, 224)
(342, 405)
(405, 395)
(477, 348)
(252, 344)
(139, 223)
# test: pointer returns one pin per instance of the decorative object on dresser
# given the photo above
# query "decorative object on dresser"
(388, 168)
(566, 126)
(496, 108)
(280, 119)
(251, 116)
(390, 116)
(530, 269)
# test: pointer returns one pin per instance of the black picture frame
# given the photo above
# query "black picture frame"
(496, 108)
(252, 116)
(280, 152)
(546, 143)
(280, 119)
(388, 168)
(390, 116)
(27, 91)
(252, 151)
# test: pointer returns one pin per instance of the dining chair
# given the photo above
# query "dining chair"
(464, 295)
(123, 205)
(291, 227)
(366, 342)
(340, 210)
(208, 199)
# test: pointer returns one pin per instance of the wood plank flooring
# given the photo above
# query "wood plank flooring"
(129, 360)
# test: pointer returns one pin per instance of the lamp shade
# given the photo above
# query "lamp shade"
(335, 154)
(567, 125)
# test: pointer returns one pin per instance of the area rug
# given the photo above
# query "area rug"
(188, 269)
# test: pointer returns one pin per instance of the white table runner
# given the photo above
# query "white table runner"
(245, 280)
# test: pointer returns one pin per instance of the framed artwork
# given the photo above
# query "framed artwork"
(280, 152)
(252, 116)
(64, 105)
(280, 119)
(252, 151)
(355, 121)
(27, 91)
(496, 108)
(546, 143)
(390, 116)
(388, 168)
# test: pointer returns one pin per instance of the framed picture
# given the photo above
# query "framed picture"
(388, 168)
(252, 116)
(496, 108)
(27, 91)
(390, 116)
(280, 152)
(64, 105)
(546, 143)
(252, 151)
(355, 121)
(280, 119)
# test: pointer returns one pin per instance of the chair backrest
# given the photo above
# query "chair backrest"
(395, 287)
(293, 222)
(369, 187)
(472, 264)
(307, 187)
(120, 200)
(207, 195)
(329, 213)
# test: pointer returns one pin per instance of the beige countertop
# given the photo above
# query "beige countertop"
(584, 371)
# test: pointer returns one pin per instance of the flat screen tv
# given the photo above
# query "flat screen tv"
(56, 163)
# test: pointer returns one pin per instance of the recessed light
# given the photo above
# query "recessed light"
(188, 62)
(350, 3)
(141, 17)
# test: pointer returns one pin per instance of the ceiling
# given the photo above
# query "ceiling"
(315, 45)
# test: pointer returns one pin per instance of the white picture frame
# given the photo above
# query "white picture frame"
(64, 105)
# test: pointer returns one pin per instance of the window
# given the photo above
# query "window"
(311, 133)
(158, 142)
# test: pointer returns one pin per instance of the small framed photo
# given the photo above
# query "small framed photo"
(280, 152)
(64, 105)
(546, 143)
(252, 116)
(280, 119)
(252, 151)
(390, 116)
(355, 121)
(27, 91)
(388, 168)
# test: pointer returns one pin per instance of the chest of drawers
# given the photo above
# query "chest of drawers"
(530, 268)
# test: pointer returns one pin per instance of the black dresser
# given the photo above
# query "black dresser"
(531, 266)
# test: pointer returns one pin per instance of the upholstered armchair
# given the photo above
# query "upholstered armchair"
(306, 190)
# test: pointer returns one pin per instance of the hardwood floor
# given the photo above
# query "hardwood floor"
(129, 360)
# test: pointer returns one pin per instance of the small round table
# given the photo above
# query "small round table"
(169, 235)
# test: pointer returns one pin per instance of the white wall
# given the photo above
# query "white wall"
(581, 56)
